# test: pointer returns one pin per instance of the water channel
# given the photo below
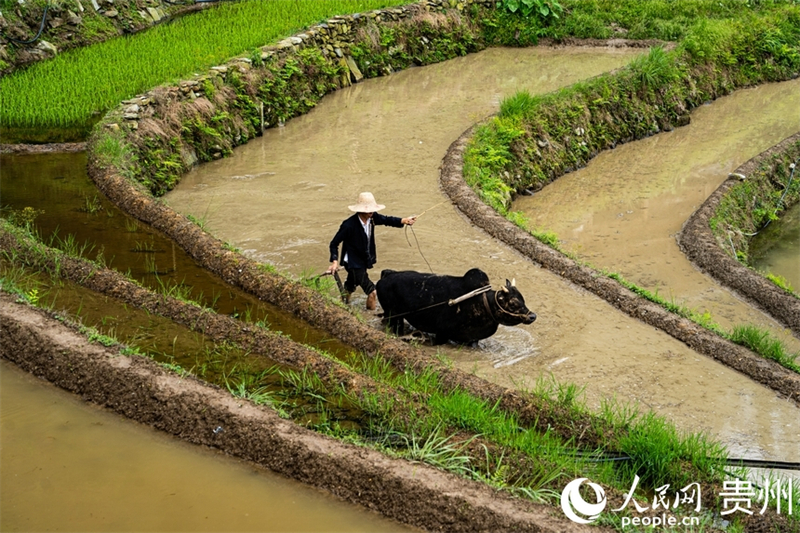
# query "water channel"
(281, 198)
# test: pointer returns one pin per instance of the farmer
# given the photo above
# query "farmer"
(358, 251)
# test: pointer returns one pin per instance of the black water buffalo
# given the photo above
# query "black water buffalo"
(425, 301)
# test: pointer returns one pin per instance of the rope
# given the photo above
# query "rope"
(437, 205)
(506, 311)
(450, 302)
(418, 247)
(602, 456)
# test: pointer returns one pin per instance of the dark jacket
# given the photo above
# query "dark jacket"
(359, 250)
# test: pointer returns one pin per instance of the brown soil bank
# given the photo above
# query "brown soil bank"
(139, 389)
(764, 371)
(701, 246)
(42, 148)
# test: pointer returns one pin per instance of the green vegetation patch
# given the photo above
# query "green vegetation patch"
(75, 88)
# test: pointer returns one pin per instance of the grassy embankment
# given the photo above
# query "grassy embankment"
(69, 93)
(721, 46)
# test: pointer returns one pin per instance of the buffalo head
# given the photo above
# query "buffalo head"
(509, 306)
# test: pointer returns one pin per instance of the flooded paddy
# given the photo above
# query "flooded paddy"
(71, 465)
(622, 211)
(68, 207)
(281, 198)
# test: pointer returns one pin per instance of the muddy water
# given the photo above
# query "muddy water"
(68, 205)
(68, 465)
(776, 249)
(282, 197)
(623, 210)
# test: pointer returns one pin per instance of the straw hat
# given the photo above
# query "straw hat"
(366, 204)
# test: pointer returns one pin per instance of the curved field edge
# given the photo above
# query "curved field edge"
(236, 268)
(142, 390)
(761, 181)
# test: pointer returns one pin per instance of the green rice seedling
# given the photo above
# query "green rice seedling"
(463, 410)
(615, 413)
(534, 485)
(438, 450)
(304, 383)
(654, 69)
(176, 368)
(201, 222)
(69, 245)
(267, 268)
(93, 335)
(763, 343)
(322, 284)
(144, 247)
(80, 84)
(231, 247)
(150, 264)
(15, 279)
(113, 150)
(91, 205)
(658, 452)
(519, 219)
(131, 225)
(377, 367)
(493, 472)
(562, 394)
(547, 237)
(425, 381)
(260, 395)
(518, 104)
(781, 282)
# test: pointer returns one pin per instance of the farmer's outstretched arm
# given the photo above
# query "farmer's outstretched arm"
(397, 222)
